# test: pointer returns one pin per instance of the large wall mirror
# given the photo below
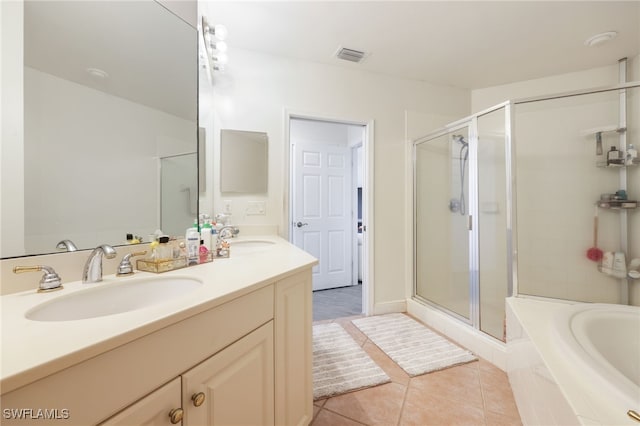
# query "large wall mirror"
(110, 124)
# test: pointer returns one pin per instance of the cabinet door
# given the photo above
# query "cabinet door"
(153, 409)
(294, 350)
(236, 383)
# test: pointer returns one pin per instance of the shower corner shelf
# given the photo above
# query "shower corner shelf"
(603, 129)
(617, 204)
(615, 166)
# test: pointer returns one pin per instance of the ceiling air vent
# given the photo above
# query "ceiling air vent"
(350, 54)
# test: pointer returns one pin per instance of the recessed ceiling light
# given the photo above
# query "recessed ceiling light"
(97, 73)
(600, 38)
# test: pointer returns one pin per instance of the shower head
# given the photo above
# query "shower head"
(460, 139)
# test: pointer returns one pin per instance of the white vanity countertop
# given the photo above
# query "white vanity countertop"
(34, 349)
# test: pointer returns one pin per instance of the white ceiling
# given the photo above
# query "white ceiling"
(455, 43)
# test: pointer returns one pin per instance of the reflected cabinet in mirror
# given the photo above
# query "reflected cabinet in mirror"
(243, 161)
(110, 125)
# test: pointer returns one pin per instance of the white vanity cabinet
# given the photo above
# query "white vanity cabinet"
(233, 387)
(155, 409)
(294, 350)
(246, 361)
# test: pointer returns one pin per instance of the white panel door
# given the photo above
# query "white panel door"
(321, 217)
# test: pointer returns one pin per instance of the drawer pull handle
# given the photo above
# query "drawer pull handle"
(176, 415)
(198, 399)
(634, 415)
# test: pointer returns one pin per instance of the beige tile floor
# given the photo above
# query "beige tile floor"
(477, 393)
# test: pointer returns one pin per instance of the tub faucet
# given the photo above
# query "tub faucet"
(92, 272)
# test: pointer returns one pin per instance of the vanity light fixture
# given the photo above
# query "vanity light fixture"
(214, 47)
(218, 31)
(220, 46)
(220, 58)
(598, 39)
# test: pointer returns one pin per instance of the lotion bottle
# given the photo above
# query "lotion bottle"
(192, 237)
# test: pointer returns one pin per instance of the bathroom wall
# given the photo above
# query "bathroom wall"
(558, 183)
(135, 137)
(256, 91)
(11, 148)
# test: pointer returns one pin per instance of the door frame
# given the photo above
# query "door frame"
(367, 194)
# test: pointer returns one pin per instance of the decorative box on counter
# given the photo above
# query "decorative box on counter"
(163, 265)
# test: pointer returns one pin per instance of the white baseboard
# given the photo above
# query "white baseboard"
(476, 341)
(390, 307)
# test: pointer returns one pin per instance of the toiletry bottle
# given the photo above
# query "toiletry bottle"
(153, 251)
(607, 263)
(613, 156)
(619, 265)
(203, 252)
(632, 155)
(205, 234)
(193, 243)
(164, 250)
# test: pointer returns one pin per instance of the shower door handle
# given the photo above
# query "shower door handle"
(470, 223)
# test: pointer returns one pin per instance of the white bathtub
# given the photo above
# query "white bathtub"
(574, 363)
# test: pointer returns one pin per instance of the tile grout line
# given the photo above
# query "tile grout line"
(404, 401)
(346, 417)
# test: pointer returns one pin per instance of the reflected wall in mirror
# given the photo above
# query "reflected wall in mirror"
(110, 103)
(243, 161)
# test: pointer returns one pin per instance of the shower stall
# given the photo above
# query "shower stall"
(461, 218)
(475, 244)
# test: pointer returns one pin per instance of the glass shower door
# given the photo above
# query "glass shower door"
(492, 222)
(442, 222)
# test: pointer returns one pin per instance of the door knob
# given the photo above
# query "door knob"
(300, 224)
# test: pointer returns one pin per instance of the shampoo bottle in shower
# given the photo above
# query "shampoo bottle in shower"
(613, 156)
(632, 155)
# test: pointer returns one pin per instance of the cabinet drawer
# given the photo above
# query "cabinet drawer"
(101, 386)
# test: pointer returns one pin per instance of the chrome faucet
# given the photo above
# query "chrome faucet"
(92, 272)
(231, 232)
(66, 245)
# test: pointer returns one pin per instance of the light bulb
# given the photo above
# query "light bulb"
(221, 58)
(220, 46)
(220, 32)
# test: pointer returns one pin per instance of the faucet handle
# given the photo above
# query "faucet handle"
(125, 267)
(50, 281)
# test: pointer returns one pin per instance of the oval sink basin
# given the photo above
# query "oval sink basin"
(113, 298)
(249, 246)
